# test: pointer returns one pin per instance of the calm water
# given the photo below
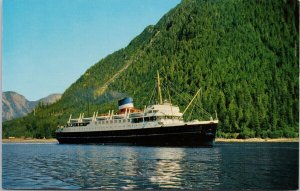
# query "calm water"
(225, 166)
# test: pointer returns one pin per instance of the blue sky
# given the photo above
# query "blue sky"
(49, 44)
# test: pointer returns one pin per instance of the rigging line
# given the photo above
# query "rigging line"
(180, 93)
(147, 96)
(173, 86)
(189, 97)
(170, 101)
(199, 99)
(176, 89)
(152, 95)
(191, 112)
(166, 89)
(204, 111)
(199, 107)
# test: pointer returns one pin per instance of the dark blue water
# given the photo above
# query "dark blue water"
(225, 166)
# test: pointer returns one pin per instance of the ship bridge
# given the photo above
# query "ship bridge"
(165, 109)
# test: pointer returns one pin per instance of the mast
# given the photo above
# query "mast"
(158, 88)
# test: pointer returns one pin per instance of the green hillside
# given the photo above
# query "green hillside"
(243, 54)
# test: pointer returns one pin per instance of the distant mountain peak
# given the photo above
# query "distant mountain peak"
(50, 98)
(15, 105)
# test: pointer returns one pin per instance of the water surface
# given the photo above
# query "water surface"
(225, 166)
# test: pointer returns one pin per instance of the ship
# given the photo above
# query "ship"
(158, 124)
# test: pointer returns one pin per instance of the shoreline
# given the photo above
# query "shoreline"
(257, 140)
(217, 140)
(27, 140)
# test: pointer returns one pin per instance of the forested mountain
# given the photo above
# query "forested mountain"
(15, 105)
(243, 54)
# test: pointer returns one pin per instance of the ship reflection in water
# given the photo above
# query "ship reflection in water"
(186, 168)
(130, 169)
(225, 166)
(150, 167)
(167, 170)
